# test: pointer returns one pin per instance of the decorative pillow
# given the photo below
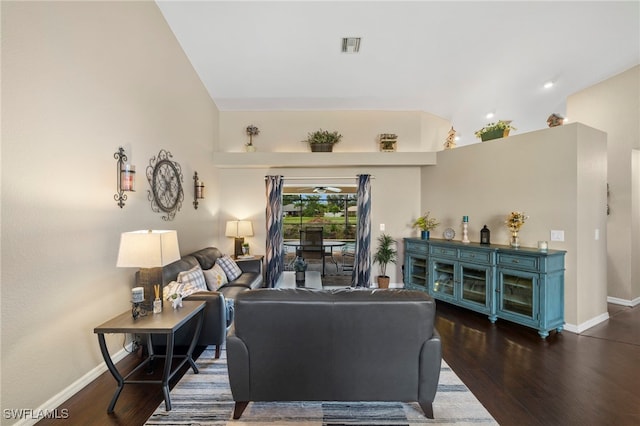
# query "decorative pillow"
(215, 277)
(229, 266)
(192, 281)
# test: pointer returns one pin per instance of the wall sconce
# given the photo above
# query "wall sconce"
(125, 176)
(198, 190)
(239, 229)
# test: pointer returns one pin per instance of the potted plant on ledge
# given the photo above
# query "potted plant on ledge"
(426, 224)
(497, 130)
(384, 255)
(322, 140)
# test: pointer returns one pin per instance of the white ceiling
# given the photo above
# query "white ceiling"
(457, 60)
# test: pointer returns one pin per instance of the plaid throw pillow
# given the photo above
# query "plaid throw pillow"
(192, 281)
(229, 266)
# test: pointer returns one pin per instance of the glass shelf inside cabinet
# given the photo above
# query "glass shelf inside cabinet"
(517, 295)
(443, 278)
(474, 285)
(418, 272)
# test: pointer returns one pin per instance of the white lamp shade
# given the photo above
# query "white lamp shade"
(239, 228)
(148, 249)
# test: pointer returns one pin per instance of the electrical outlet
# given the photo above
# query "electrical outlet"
(382, 226)
(597, 234)
(557, 235)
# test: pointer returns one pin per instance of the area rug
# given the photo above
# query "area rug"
(205, 399)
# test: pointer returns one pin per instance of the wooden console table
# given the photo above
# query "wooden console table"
(167, 322)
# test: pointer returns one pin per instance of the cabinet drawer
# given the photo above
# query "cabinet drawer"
(529, 263)
(443, 251)
(417, 247)
(475, 256)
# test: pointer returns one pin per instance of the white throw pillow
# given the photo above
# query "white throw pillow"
(215, 277)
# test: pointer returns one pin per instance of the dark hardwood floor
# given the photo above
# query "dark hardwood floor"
(567, 379)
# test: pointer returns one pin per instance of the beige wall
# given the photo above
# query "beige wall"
(614, 107)
(79, 80)
(557, 177)
(283, 131)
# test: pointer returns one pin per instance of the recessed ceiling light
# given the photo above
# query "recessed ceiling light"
(549, 84)
(350, 44)
(490, 116)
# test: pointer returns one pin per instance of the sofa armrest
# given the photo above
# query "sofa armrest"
(430, 363)
(214, 327)
(251, 265)
(238, 366)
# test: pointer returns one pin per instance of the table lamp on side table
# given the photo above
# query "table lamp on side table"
(148, 250)
(239, 229)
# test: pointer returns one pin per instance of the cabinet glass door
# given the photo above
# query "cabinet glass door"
(418, 273)
(443, 279)
(517, 293)
(474, 284)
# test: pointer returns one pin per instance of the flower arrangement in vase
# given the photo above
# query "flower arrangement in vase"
(251, 131)
(426, 224)
(514, 222)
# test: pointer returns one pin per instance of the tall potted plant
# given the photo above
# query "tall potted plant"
(385, 254)
(322, 140)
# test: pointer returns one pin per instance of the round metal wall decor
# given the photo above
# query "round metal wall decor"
(165, 178)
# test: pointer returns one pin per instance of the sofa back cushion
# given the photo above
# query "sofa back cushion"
(170, 272)
(349, 336)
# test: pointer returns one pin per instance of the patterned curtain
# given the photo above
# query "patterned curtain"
(361, 275)
(274, 257)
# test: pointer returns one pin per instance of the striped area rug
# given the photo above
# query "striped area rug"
(205, 399)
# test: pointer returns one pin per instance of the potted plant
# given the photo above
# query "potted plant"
(495, 130)
(299, 266)
(251, 132)
(385, 254)
(322, 140)
(426, 224)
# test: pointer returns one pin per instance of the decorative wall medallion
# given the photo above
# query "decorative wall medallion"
(165, 179)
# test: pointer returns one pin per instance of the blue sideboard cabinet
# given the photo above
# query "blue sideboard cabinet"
(522, 285)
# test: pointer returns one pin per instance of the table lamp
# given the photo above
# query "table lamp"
(148, 250)
(239, 229)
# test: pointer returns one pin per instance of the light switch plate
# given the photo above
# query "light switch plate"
(557, 235)
(382, 226)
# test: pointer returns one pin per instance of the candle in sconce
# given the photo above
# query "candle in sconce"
(465, 219)
(126, 177)
(137, 294)
(199, 190)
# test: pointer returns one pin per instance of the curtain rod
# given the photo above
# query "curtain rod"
(320, 177)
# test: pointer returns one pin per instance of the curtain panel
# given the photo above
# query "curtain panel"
(361, 276)
(274, 257)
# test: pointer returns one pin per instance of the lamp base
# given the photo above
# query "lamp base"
(147, 278)
(237, 251)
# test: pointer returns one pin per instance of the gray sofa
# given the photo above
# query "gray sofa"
(218, 315)
(336, 345)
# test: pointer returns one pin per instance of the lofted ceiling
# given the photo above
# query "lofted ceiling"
(457, 60)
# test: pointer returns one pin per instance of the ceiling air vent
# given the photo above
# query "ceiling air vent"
(350, 44)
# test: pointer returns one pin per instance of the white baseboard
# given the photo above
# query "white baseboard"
(624, 302)
(580, 328)
(57, 400)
